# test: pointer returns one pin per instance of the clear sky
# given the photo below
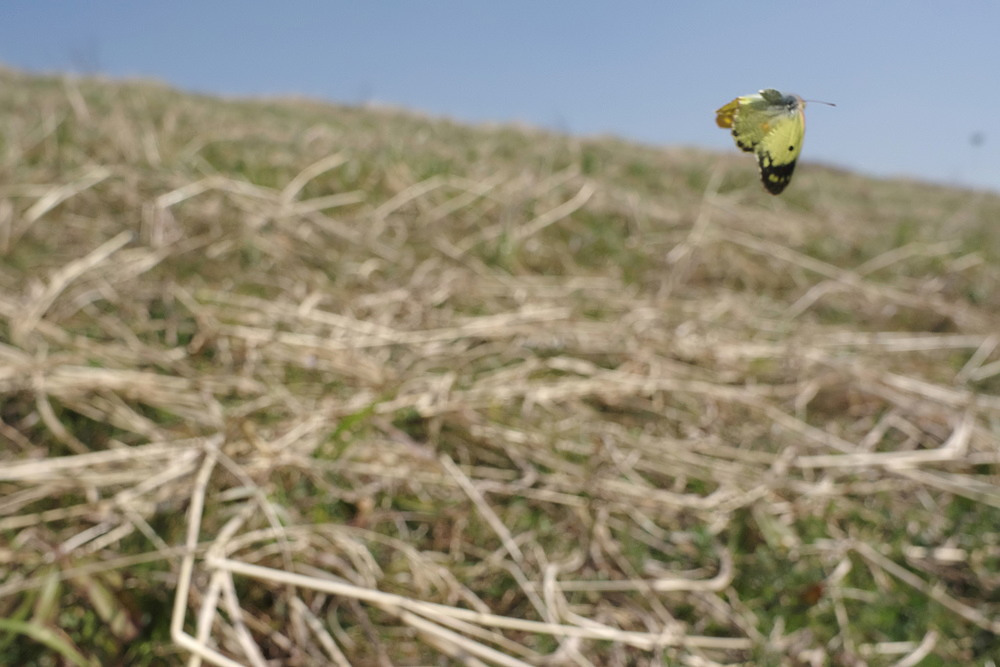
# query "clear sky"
(917, 84)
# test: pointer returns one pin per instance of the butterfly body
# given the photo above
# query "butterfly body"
(772, 125)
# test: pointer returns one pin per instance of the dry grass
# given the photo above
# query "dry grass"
(285, 383)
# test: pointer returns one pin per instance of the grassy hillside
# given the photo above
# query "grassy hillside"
(355, 386)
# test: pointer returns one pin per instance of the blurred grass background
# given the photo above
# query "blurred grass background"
(614, 399)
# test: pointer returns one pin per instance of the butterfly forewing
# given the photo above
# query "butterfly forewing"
(778, 153)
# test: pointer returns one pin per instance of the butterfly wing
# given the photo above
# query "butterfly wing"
(779, 150)
(771, 125)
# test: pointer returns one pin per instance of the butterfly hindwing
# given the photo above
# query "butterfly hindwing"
(771, 125)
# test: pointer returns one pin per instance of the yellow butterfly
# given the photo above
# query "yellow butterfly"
(772, 125)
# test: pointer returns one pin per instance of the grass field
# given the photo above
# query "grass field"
(289, 383)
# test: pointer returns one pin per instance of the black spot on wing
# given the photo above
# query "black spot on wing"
(743, 144)
(775, 177)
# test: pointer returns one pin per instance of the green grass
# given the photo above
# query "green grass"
(548, 378)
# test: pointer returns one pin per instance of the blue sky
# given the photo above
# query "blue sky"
(917, 84)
